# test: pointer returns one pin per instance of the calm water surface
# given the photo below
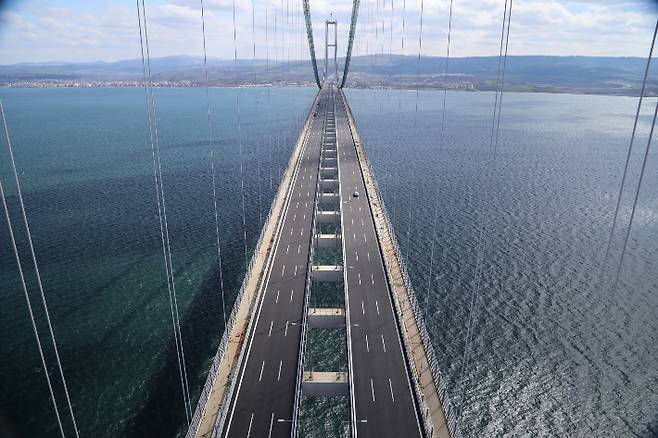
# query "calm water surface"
(555, 351)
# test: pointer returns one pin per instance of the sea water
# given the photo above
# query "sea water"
(555, 351)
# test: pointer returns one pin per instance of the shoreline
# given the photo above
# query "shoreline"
(511, 89)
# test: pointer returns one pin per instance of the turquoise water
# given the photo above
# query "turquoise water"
(86, 167)
(555, 352)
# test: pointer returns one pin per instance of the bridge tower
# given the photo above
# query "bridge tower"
(328, 23)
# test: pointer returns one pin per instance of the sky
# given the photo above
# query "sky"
(92, 30)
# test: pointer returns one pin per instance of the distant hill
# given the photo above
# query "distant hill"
(569, 74)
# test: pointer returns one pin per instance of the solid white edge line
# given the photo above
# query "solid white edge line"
(244, 355)
(390, 293)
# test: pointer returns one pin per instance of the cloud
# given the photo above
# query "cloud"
(9, 18)
(41, 30)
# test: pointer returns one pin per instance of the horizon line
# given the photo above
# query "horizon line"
(272, 61)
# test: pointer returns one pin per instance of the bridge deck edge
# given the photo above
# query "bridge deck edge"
(418, 348)
(226, 360)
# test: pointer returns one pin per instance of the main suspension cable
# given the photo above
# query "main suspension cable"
(350, 43)
(311, 46)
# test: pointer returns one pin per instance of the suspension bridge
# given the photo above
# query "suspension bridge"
(327, 257)
(328, 201)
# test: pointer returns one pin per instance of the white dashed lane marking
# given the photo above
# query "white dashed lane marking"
(262, 367)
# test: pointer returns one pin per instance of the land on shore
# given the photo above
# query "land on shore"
(556, 74)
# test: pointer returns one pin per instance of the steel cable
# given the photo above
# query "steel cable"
(162, 212)
(37, 272)
(477, 277)
(212, 166)
(24, 286)
(628, 156)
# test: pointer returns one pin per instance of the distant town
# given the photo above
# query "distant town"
(53, 83)
(50, 83)
(591, 75)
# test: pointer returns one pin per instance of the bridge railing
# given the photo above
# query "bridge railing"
(449, 409)
(437, 375)
(214, 368)
(199, 411)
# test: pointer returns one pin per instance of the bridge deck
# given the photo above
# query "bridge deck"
(392, 390)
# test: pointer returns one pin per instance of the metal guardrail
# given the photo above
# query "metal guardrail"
(438, 378)
(214, 368)
(200, 408)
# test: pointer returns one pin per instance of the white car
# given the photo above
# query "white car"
(355, 194)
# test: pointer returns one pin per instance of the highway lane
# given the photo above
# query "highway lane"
(382, 390)
(266, 382)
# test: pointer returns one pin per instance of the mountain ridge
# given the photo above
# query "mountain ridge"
(571, 74)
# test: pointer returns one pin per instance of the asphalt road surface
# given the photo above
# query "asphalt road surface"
(265, 390)
(263, 402)
(382, 390)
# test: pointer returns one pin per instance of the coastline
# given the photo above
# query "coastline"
(508, 89)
